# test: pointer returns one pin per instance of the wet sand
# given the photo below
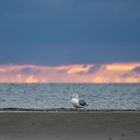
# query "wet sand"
(72, 125)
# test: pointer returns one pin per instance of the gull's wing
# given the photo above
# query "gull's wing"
(82, 102)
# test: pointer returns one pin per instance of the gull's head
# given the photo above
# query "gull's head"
(74, 96)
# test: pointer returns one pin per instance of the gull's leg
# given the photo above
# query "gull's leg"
(78, 109)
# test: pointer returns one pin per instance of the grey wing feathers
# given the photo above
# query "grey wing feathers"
(82, 102)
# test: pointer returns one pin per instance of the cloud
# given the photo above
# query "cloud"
(79, 69)
(80, 73)
(136, 70)
(135, 73)
(28, 71)
(94, 69)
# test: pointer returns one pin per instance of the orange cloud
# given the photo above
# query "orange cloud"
(105, 73)
(99, 79)
(122, 66)
(79, 68)
(31, 79)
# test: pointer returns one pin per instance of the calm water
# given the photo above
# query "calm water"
(43, 96)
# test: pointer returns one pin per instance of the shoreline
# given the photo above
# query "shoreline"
(66, 110)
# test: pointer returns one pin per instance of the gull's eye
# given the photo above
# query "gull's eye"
(75, 96)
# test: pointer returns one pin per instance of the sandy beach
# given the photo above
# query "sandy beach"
(73, 125)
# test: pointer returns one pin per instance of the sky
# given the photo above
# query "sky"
(69, 33)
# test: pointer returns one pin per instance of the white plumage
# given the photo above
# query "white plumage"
(77, 103)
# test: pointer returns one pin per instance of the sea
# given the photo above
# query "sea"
(48, 96)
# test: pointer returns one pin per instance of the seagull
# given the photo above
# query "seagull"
(77, 103)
